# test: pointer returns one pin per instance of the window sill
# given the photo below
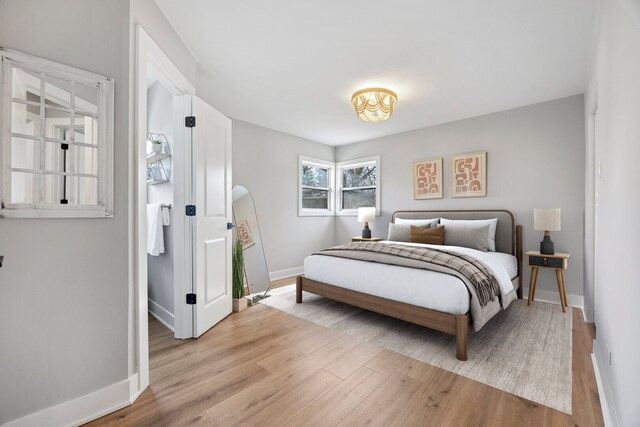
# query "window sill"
(321, 213)
(54, 213)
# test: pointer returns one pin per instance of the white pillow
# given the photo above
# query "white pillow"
(492, 223)
(399, 232)
(418, 222)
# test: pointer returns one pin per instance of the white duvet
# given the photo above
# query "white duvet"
(424, 288)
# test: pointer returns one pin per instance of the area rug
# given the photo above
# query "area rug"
(525, 351)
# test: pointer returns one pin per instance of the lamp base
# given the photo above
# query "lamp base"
(546, 245)
(366, 232)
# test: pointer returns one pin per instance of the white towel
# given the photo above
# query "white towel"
(166, 216)
(155, 239)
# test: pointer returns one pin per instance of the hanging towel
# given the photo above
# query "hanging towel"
(166, 216)
(155, 239)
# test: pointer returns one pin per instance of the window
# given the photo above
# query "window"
(57, 140)
(358, 185)
(316, 187)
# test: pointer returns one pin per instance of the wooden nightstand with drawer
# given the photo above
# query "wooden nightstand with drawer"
(367, 239)
(557, 262)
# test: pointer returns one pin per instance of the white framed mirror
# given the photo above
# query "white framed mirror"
(57, 139)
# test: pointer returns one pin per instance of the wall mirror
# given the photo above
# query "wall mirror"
(248, 230)
(57, 139)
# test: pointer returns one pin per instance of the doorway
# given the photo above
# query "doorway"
(188, 177)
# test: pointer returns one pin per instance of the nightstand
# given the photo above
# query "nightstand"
(557, 262)
(367, 239)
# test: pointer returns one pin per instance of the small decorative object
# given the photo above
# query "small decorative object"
(366, 215)
(547, 220)
(156, 146)
(427, 179)
(244, 234)
(469, 175)
(157, 173)
(374, 104)
(239, 302)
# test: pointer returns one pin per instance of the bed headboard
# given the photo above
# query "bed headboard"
(506, 240)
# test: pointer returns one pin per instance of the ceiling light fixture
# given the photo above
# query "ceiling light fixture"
(374, 104)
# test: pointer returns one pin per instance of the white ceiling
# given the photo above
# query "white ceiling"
(292, 65)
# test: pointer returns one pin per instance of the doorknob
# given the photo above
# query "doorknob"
(230, 225)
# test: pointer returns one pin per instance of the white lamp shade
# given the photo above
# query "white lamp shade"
(546, 219)
(366, 214)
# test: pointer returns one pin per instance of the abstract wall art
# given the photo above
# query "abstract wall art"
(469, 175)
(427, 179)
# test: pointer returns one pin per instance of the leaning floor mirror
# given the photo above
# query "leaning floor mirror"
(248, 232)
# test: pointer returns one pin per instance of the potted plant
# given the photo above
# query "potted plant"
(239, 302)
(156, 145)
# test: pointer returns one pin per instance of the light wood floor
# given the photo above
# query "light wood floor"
(265, 367)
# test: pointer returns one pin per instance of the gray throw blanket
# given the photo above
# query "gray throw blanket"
(481, 283)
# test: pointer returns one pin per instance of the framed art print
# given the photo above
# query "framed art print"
(244, 233)
(469, 175)
(427, 179)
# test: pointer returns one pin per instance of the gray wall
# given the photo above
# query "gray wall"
(64, 286)
(535, 158)
(614, 88)
(160, 268)
(265, 161)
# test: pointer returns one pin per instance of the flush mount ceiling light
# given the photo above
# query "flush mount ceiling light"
(374, 104)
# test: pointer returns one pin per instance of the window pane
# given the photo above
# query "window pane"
(54, 160)
(85, 129)
(25, 153)
(25, 85)
(57, 124)
(314, 176)
(315, 199)
(25, 119)
(86, 98)
(53, 189)
(82, 160)
(58, 92)
(24, 187)
(353, 199)
(359, 177)
(87, 191)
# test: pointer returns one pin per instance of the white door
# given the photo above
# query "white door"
(211, 189)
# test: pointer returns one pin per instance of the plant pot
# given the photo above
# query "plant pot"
(239, 304)
(157, 148)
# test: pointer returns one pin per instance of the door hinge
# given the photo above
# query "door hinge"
(190, 121)
(190, 210)
(230, 225)
(191, 299)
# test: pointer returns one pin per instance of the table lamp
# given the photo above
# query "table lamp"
(366, 215)
(546, 220)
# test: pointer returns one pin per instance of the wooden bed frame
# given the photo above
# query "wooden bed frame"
(457, 325)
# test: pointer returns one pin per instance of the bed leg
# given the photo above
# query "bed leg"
(299, 289)
(462, 325)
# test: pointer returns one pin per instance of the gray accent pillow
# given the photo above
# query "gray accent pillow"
(493, 224)
(468, 235)
(418, 222)
(399, 232)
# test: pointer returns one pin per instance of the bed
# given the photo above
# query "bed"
(428, 298)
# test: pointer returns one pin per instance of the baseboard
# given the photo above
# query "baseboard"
(608, 411)
(289, 272)
(588, 314)
(553, 297)
(82, 409)
(163, 315)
